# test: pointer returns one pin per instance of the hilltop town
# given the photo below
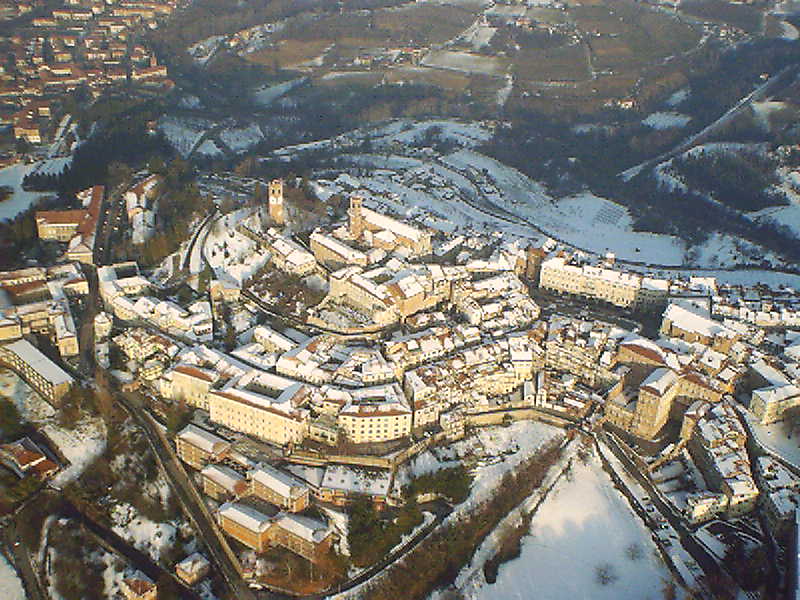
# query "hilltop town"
(304, 355)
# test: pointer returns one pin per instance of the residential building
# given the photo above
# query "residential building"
(193, 568)
(138, 586)
(281, 489)
(223, 483)
(376, 414)
(691, 326)
(25, 458)
(198, 447)
(279, 420)
(41, 373)
(769, 403)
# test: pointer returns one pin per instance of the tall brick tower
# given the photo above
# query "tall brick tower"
(276, 211)
(356, 218)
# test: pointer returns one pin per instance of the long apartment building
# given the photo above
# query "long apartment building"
(335, 253)
(41, 373)
(278, 419)
(376, 414)
(620, 288)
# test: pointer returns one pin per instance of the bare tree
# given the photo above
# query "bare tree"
(605, 574)
(634, 552)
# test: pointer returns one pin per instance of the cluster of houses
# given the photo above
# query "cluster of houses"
(85, 43)
(258, 504)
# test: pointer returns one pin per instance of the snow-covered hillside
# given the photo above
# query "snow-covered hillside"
(584, 525)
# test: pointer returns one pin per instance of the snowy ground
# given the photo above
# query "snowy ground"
(783, 215)
(494, 450)
(209, 149)
(781, 438)
(666, 120)
(229, 252)
(762, 112)
(266, 95)
(464, 61)
(724, 250)
(79, 446)
(147, 536)
(29, 404)
(585, 221)
(679, 97)
(583, 524)
(10, 583)
(20, 199)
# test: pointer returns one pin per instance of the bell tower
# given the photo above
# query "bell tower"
(356, 217)
(276, 211)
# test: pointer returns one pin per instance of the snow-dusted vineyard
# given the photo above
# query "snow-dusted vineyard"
(240, 139)
(184, 133)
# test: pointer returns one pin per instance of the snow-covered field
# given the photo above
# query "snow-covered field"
(464, 61)
(10, 583)
(229, 252)
(723, 250)
(20, 199)
(583, 525)
(679, 97)
(762, 112)
(266, 95)
(585, 221)
(604, 226)
(209, 149)
(783, 215)
(497, 451)
(464, 133)
(666, 120)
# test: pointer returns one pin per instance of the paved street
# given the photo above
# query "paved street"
(196, 509)
(22, 561)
